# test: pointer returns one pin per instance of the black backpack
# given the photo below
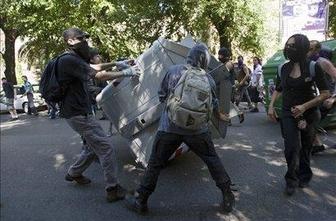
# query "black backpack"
(50, 89)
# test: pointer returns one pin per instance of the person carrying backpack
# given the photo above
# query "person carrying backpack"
(323, 57)
(295, 81)
(73, 73)
(189, 94)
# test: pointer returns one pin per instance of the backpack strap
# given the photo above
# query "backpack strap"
(280, 68)
(312, 69)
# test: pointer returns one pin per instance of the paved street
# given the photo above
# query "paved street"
(36, 152)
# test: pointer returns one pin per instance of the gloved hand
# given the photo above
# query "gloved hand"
(121, 65)
(132, 72)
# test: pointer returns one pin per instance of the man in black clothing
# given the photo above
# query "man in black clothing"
(9, 94)
(74, 73)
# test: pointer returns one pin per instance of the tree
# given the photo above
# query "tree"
(7, 20)
(332, 19)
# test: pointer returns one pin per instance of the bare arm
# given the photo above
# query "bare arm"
(329, 68)
(103, 66)
(246, 75)
(300, 109)
(109, 75)
(271, 112)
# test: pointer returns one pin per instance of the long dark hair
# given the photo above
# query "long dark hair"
(302, 45)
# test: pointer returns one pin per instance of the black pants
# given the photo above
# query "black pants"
(164, 146)
(298, 146)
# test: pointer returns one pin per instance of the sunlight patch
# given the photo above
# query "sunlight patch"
(59, 160)
(320, 173)
(330, 199)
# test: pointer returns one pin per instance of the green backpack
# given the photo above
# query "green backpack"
(190, 104)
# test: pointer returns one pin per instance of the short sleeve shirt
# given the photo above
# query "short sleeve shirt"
(75, 73)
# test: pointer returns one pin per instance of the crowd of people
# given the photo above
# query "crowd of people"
(186, 114)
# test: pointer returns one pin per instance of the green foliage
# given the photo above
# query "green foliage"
(332, 19)
(125, 28)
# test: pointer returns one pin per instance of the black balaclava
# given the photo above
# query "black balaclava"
(82, 49)
(226, 53)
(298, 51)
(199, 56)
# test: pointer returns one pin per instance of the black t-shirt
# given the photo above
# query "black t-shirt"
(9, 90)
(296, 91)
(75, 73)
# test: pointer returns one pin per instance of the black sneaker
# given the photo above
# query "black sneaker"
(82, 180)
(137, 203)
(254, 110)
(318, 149)
(290, 190)
(228, 200)
(115, 193)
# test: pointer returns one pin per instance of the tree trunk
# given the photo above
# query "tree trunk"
(9, 55)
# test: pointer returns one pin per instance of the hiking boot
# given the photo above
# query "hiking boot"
(115, 193)
(137, 203)
(318, 149)
(82, 180)
(290, 190)
(228, 199)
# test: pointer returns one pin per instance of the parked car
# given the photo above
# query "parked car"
(21, 103)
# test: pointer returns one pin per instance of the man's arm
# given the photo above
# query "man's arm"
(103, 66)
(247, 75)
(328, 67)
(111, 75)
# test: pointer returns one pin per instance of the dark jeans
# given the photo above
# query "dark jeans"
(298, 146)
(164, 146)
(52, 109)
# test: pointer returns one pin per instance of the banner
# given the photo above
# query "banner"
(308, 17)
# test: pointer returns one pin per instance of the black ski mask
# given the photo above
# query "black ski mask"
(297, 51)
(82, 49)
(292, 53)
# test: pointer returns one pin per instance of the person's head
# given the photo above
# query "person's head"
(199, 56)
(224, 55)
(256, 61)
(95, 57)
(296, 48)
(76, 41)
(24, 78)
(314, 49)
(240, 60)
(3, 80)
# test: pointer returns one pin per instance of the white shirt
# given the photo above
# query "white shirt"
(254, 76)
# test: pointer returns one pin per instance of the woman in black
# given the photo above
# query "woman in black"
(299, 109)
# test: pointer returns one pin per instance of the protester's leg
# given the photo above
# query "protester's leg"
(248, 98)
(85, 159)
(307, 137)
(292, 146)
(164, 146)
(99, 143)
(31, 105)
(11, 109)
(203, 146)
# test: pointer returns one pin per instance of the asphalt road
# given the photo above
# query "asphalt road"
(36, 152)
